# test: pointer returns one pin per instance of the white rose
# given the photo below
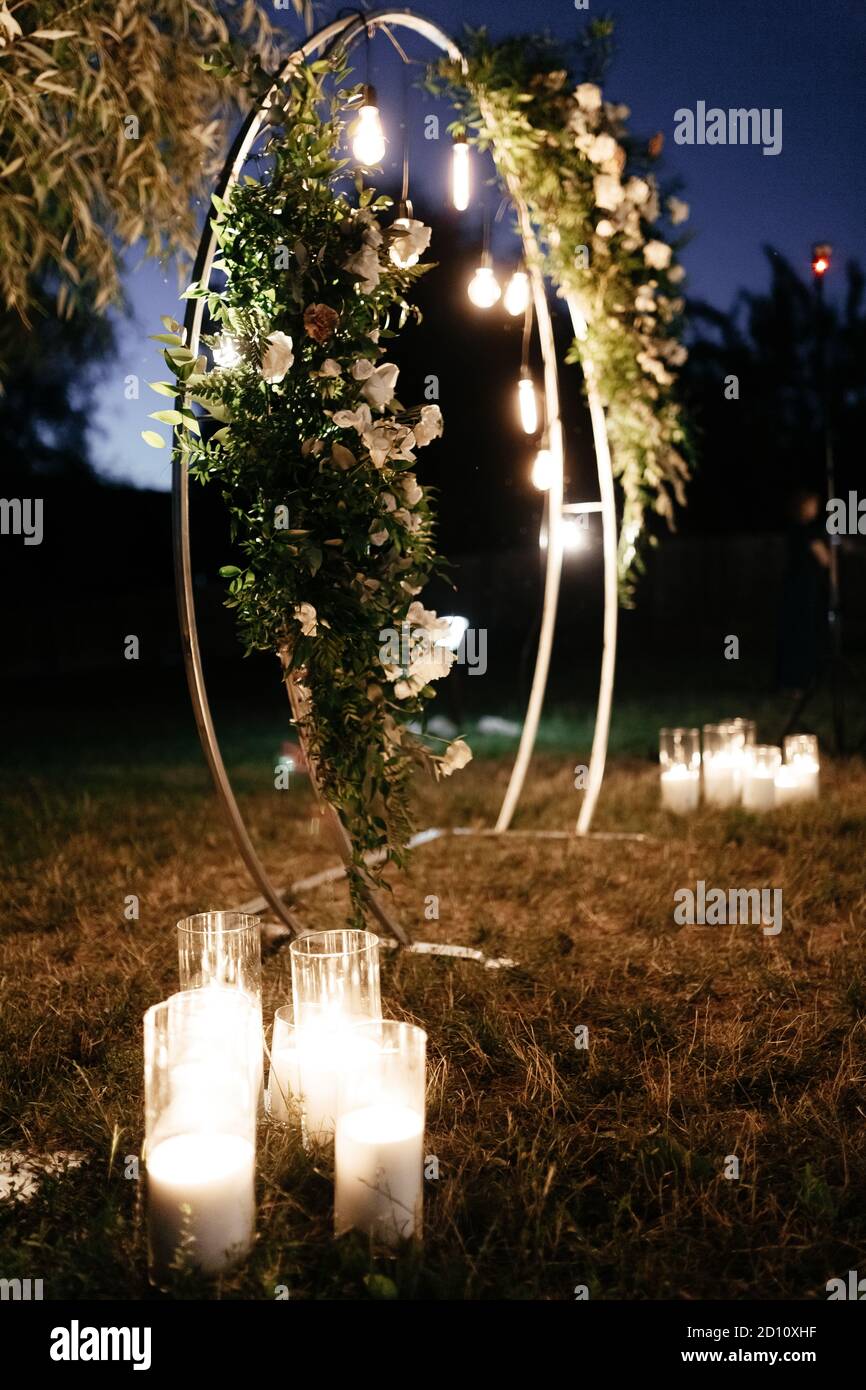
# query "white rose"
(645, 301)
(603, 147)
(608, 192)
(389, 501)
(378, 537)
(412, 241)
(678, 210)
(657, 254)
(305, 614)
(362, 369)
(605, 228)
(637, 191)
(360, 419)
(364, 265)
(380, 385)
(456, 755)
(330, 367)
(588, 96)
(278, 358)
(412, 492)
(429, 427)
(677, 273)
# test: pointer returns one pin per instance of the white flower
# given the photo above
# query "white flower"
(360, 419)
(380, 385)
(412, 241)
(603, 147)
(389, 440)
(278, 358)
(426, 618)
(9, 27)
(637, 191)
(654, 368)
(657, 254)
(389, 501)
(677, 354)
(410, 489)
(365, 266)
(608, 192)
(362, 369)
(377, 537)
(644, 302)
(678, 210)
(330, 367)
(605, 228)
(456, 755)
(677, 273)
(588, 96)
(305, 614)
(430, 426)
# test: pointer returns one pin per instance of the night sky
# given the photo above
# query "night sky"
(806, 58)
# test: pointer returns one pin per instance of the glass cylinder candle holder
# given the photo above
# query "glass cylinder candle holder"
(379, 1146)
(680, 758)
(224, 950)
(200, 1130)
(759, 776)
(741, 734)
(801, 756)
(720, 757)
(335, 985)
(284, 1080)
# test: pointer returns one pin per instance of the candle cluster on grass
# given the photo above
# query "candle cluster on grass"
(736, 769)
(353, 1081)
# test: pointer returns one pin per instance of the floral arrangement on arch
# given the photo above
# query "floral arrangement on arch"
(606, 233)
(300, 426)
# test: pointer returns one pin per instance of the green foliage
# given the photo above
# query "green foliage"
(595, 204)
(335, 531)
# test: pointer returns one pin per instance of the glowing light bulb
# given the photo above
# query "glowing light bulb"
(528, 404)
(461, 174)
(517, 293)
(484, 288)
(542, 470)
(225, 351)
(573, 535)
(368, 137)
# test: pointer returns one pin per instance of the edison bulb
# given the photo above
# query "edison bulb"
(517, 293)
(542, 470)
(574, 535)
(528, 404)
(461, 174)
(368, 137)
(484, 288)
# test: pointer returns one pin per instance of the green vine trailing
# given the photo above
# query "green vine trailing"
(594, 200)
(295, 416)
(315, 455)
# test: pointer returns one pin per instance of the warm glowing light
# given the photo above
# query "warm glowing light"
(484, 288)
(528, 404)
(225, 351)
(368, 137)
(573, 535)
(461, 174)
(820, 265)
(457, 629)
(543, 470)
(822, 251)
(517, 293)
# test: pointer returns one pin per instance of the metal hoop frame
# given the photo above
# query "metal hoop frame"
(346, 31)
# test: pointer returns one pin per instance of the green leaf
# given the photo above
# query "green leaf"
(167, 417)
(379, 1286)
(229, 571)
(155, 440)
(163, 388)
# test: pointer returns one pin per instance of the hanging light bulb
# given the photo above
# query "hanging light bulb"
(225, 351)
(517, 293)
(484, 288)
(368, 137)
(527, 402)
(461, 174)
(542, 469)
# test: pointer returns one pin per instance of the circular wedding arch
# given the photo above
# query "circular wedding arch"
(344, 32)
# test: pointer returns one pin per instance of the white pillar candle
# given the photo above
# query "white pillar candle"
(328, 1050)
(379, 1162)
(759, 790)
(787, 786)
(284, 1083)
(680, 789)
(806, 771)
(201, 1200)
(721, 781)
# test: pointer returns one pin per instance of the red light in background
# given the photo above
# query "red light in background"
(821, 254)
(820, 265)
